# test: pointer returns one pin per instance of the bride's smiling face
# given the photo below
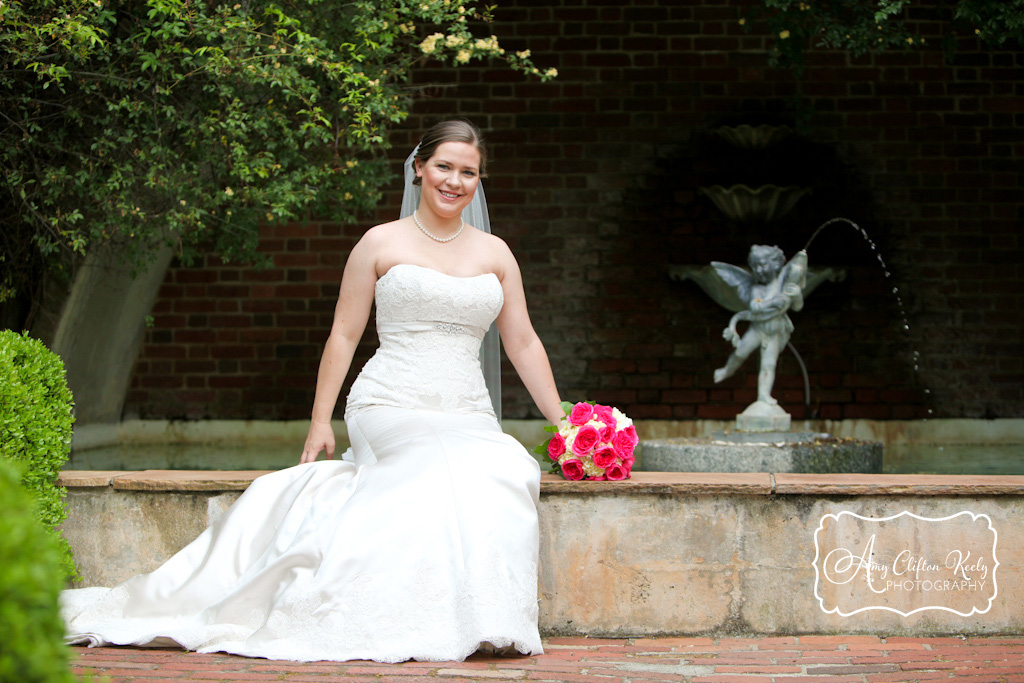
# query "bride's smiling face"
(449, 178)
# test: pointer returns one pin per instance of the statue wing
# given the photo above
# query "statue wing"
(739, 279)
(708, 279)
(818, 275)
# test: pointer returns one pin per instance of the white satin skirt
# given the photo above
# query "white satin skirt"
(428, 553)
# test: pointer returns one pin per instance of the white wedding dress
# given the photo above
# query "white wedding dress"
(424, 548)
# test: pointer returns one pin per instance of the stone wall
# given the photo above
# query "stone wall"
(668, 553)
(594, 183)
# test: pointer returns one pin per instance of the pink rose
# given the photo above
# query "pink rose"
(609, 424)
(585, 440)
(605, 457)
(623, 446)
(605, 411)
(616, 473)
(625, 441)
(556, 446)
(581, 414)
(631, 432)
(573, 469)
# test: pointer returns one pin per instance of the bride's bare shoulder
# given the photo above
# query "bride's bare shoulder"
(498, 255)
(374, 249)
(380, 236)
(493, 243)
(385, 231)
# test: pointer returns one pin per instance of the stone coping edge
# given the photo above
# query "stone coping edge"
(678, 483)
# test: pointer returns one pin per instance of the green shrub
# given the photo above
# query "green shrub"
(32, 648)
(35, 427)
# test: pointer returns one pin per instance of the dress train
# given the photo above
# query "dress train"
(429, 553)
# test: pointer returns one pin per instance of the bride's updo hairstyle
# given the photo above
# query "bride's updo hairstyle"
(456, 130)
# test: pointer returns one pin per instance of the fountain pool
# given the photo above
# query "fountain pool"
(981, 447)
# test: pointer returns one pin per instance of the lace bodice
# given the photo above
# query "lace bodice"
(430, 327)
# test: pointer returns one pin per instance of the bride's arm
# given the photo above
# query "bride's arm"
(522, 345)
(350, 317)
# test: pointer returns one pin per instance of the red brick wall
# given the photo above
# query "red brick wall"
(594, 185)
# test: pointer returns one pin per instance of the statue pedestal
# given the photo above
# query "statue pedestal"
(793, 452)
(763, 417)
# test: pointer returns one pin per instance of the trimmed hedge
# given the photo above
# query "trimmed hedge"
(32, 648)
(35, 427)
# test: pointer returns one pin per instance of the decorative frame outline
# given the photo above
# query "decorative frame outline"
(974, 518)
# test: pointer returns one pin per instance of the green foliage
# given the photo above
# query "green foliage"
(994, 21)
(871, 26)
(185, 122)
(31, 629)
(35, 427)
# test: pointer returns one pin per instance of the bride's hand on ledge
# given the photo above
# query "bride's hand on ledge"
(320, 438)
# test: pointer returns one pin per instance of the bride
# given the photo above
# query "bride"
(423, 546)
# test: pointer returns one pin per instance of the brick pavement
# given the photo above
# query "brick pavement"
(829, 659)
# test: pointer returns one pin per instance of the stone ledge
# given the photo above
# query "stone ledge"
(187, 480)
(687, 483)
(84, 479)
(898, 484)
(750, 483)
(161, 480)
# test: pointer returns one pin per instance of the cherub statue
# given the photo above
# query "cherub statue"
(770, 289)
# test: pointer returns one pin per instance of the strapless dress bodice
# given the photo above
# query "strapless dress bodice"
(430, 326)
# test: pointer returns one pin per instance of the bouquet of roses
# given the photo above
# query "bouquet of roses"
(591, 442)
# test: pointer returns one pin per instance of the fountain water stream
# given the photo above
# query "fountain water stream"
(878, 255)
(904, 319)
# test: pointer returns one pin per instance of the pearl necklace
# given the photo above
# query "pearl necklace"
(426, 232)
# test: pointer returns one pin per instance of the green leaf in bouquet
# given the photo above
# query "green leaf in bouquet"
(551, 429)
(567, 406)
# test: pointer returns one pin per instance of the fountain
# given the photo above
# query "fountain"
(760, 298)
(762, 440)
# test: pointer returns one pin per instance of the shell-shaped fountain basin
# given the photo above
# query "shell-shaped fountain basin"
(746, 136)
(764, 204)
